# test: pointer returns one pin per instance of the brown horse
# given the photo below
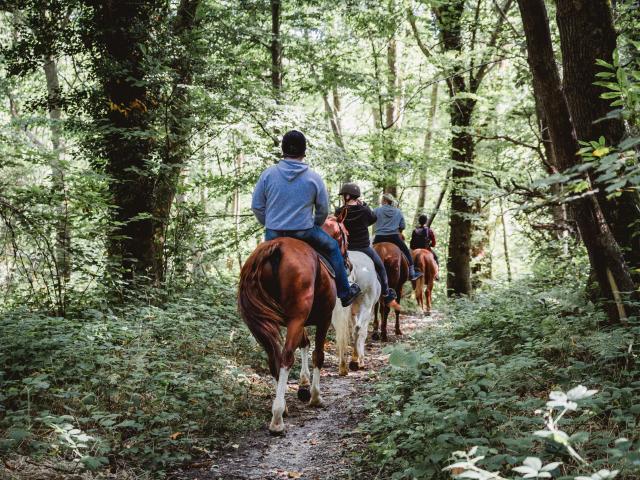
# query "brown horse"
(397, 269)
(424, 261)
(284, 284)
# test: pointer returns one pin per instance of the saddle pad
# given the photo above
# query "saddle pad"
(327, 265)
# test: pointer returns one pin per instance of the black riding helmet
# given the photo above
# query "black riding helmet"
(350, 189)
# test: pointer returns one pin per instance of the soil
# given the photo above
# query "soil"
(320, 443)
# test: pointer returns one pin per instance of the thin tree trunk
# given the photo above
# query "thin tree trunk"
(236, 206)
(604, 253)
(441, 196)
(422, 166)
(63, 235)
(276, 48)
(505, 243)
(587, 34)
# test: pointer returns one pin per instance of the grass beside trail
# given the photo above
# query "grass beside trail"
(139, 388)
(478, 378)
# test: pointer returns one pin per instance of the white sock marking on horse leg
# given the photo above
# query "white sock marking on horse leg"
(277, 423)
(316, 399)
(305, 375)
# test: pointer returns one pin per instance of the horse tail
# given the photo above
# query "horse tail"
(340, 319)
(421, 264)
(260, 311)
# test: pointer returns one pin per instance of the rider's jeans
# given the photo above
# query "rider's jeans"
(321, 241)
(379, 266)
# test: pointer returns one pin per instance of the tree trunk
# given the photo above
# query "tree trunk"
(276, 48)
(587, 34)
(604, 253)
(481, 258)
(460, 224)
(438, 204)
(422, 166)
(558, 210)
(449, 21)
(63, 235)
(505, 242)
(141, 196)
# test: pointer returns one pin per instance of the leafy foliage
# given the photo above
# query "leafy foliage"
(148, 386)
(476, 382)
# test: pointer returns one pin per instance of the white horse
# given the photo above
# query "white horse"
(352, 323)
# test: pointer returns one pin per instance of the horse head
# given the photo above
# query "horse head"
(334, 226)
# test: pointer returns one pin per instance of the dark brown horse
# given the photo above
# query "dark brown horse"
(424, 261)
(397, 269)
(284, 284)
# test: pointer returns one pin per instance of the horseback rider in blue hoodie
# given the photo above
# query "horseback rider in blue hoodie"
(284, 201)
(390, 222)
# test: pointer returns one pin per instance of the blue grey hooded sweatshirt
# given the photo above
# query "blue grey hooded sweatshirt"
(389, 220)
(286, 196)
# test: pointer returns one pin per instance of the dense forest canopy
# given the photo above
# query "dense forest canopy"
(132, 135)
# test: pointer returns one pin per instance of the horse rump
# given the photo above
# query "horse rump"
(259, 310)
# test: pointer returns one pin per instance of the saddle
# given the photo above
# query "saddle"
(325, 263)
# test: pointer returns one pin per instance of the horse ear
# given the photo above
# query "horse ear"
(341, 216)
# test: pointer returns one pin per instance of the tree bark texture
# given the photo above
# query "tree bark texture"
(449, 21)
(604, 253)
(587, 34)
(276, 47)
(142, 196)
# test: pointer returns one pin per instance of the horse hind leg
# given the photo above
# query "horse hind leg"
(398, 331)
(318, 362)
(384, 311)
(305, 376)
(354, 364)
(295, 331)
(376, 324)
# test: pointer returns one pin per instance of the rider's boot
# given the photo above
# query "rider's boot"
(354, 291)
(413, 273)
(390, 300)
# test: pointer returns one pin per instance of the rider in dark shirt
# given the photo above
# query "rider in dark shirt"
(423, 237)
(359, 218)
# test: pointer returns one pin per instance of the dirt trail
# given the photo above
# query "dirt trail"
(318, 444)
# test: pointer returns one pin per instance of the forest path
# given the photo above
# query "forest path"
(319, 443)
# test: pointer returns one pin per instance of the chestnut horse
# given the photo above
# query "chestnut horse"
(424, 261)
(397, 269)
(284, 284)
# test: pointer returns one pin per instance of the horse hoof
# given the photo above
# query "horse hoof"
(375, 336)
(354, 366)
(304, 394)
(277, 431)
(317, 403)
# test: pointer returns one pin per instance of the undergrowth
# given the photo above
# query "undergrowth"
(478, 379)
(139, 387)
